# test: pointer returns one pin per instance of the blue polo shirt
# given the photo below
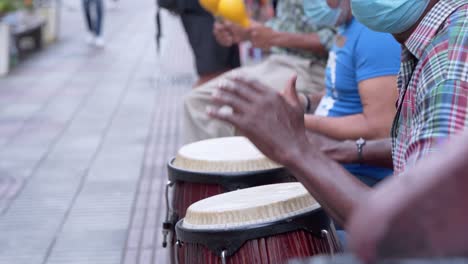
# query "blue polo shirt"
(358, 54)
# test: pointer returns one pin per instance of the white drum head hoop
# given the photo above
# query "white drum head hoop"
(252, 206)
(230, 154)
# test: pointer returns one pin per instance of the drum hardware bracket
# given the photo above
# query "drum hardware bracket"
(223, 257)
(326, 235)
(169, 224)
(178, 244)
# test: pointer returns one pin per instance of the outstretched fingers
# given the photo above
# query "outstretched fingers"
(237, 90)
(254, 86)
(226, 116)
(226, 98)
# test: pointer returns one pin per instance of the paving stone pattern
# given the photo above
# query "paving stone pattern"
(85, 135)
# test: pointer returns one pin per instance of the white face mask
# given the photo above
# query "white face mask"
(392, 16)
(320, 14)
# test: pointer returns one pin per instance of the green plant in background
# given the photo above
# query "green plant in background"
(10, 5)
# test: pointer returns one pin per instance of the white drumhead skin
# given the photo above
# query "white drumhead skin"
(230, 154)
(258, 205)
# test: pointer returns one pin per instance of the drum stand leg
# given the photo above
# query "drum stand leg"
(326, 235)
(168, 225)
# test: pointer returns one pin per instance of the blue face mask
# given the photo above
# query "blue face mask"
(392, 16)
(319, 13)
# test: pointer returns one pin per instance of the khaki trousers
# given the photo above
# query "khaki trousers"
(275, 71)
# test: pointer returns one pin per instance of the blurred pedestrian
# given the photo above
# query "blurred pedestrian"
(211, 58)
(94, 14)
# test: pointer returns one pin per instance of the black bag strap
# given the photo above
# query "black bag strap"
(396, 121)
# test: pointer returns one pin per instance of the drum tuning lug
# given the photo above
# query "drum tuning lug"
(223, 257)
(326, 235)
(179, 243)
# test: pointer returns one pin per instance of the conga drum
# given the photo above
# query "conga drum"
(210, 167)
(265, 224)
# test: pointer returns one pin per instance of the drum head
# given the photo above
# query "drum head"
(252, 206)
(222, 155)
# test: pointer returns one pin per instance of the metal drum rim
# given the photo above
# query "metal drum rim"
(230, 180)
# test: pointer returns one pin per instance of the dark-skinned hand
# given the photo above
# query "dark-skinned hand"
(262, 36)
(222, 34)
(274, 123)
(228, 34)
(340, 151)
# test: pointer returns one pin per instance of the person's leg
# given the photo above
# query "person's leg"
(211, 58)
(87, 13)
(310, 75)
(99, 17)
(274, 72)
(196, 123)
(202, 79)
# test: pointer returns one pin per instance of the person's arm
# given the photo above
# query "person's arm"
(376, 152)
(309, 42)
(378, 96)
(265, 37)
(337, 191)
(280, 134)
(426, 207)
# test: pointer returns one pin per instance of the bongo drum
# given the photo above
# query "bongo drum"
(215, 166)
(265, 224)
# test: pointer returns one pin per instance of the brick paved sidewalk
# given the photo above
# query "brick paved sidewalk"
(84, 137)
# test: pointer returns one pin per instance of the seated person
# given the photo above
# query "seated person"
(361, 88)
(297, 46)
(361, 85)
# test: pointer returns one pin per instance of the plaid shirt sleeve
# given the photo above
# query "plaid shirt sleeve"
(445, 113)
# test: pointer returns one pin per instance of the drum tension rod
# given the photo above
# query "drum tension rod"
(326, 235)
(179, 244)
(223, 257)
(168, 224)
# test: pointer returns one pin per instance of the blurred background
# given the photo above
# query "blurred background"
(86, 131)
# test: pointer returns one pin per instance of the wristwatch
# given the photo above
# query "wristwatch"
(360, 143)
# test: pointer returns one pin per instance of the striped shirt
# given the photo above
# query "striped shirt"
(433, 102)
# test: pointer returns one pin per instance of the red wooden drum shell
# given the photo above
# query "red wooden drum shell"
(187, 193)
(273, 249)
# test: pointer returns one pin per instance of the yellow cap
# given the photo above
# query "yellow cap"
(234, 11)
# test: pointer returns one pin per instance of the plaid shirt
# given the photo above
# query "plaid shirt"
(433, 101)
